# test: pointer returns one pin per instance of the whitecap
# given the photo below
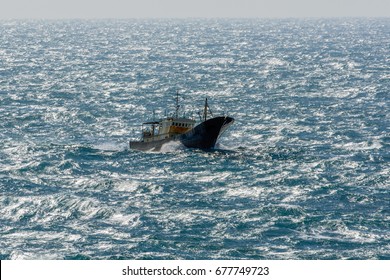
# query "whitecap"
(127, 186)
(129, 220)
(20, 255)
(171, 146)
(110, 146)
(360, 146)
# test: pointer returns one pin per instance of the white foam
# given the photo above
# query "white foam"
(360, 146)
(276, 62)
(171, 146)
(343, 233)
(211, 178)
(110, 147)
(18, 255)
(245, 192)
(132, 220)
(127, 186)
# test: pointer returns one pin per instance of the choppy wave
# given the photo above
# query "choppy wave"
(302, 174)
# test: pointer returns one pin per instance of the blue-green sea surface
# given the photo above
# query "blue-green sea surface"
(302, 174)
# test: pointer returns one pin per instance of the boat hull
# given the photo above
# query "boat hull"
(203, 136)
(149, 146)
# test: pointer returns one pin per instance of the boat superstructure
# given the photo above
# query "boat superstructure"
(166, 128)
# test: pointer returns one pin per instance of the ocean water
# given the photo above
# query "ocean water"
(302, 174)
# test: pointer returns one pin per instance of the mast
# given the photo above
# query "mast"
(154, 119)
(206, 110)
(177, 105)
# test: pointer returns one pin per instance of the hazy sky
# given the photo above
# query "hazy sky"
(12, 9)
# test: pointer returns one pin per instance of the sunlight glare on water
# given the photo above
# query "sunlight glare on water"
(302, 174)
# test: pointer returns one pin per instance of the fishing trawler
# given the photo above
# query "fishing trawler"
(202, 136)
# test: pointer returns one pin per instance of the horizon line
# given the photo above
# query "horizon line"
(195, 18)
